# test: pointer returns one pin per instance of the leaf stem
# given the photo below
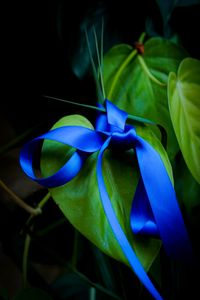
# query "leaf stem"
(27, 241)
(119, 72)
(148, 73)
(40, 205)
(44, 200)
(123, 66)
(33, 211)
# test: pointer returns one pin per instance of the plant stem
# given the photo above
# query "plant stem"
(123, 66)
(40, 205)
(44, 200)
(27, 241)
(92, 295)
(119, 72)
(33, 211)
(142, 37)
(148, 73)
(25, 258)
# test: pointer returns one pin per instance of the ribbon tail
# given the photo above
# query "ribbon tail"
(118, 231)
(141, 219)
(164, 205)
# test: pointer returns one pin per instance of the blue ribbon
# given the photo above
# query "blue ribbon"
(155, 210)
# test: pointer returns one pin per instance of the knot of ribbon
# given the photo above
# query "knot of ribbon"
(155, 211)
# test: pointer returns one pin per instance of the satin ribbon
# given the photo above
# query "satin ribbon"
(155, 211)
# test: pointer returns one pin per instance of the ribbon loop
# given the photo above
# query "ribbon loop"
(155, 210)
(115, 116)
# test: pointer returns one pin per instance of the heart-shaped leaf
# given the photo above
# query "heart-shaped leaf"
(79, 199)
(134, 82)
(184, 106)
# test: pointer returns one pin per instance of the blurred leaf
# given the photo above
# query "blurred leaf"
(184, 95)
(81, 61)
(69, 285)
(32, 294)
(167, 7)
(128, 83)
(79, 199)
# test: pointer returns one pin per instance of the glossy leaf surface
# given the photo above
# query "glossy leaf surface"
(184, 105)
(138, 83)
(79, 199)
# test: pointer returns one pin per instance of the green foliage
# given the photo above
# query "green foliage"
(137, 83)
(160, 84)
(184, 93)
(79, 199)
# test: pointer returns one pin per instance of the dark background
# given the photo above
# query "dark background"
(41, 41)
(43, 36)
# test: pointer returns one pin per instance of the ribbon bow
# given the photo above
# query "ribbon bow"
(155, 210)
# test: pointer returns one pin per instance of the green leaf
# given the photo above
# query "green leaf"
(79, 199)
(134, 82)
(184, 106)
(32, 294)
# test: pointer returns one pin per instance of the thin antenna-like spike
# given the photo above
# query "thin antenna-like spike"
(130, 117)
(98, 59)
(101, 53)
(93, 65)
(76, 103)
